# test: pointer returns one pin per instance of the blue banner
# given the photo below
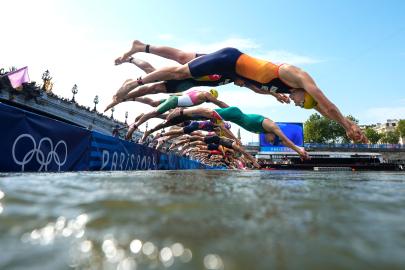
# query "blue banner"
(109, 153)
(30, 142)
(294, 131)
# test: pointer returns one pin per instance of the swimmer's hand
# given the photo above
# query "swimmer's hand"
(303, 154)
(356, 134)
(282, 98)
(257, 165)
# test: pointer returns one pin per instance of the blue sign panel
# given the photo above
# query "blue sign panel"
(30, 142)
(294, 131)
(109, 153)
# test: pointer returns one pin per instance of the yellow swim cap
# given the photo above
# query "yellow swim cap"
(309, 101)
(214, 92)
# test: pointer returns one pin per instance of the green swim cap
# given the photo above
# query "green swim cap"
(309, 101)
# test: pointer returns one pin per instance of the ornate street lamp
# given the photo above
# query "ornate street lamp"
(46, 78)
(46, 75)
(126, 117)
(95, 103)
(112, 112)
(74, 92)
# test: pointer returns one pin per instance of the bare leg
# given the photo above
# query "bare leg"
(159, 126)
(203, 112)
(146, 117)
(195, 143)
(139, 92)
(138, 117)
(174, 132)
(145, 66)
(148, 101)
(178, 143)
(166, 73)
(163, 51)
(139, 122)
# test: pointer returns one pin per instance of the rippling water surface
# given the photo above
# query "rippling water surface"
(203, 220)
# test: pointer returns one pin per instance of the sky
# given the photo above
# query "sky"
(354, 50)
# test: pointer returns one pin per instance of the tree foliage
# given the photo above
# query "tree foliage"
(319, 129)
(372, 135)
(401, 128)
(391, 137)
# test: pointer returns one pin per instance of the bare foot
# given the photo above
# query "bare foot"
(122, 91)
(116, 98)
(138, 46)
(138, 117)
(145, 135)
(112, 104)
(172, 146)
(131, 130)
(119, 61)
(160, 143)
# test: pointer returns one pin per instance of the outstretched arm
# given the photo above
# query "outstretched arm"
(212, 99)
(270, 126)
(280, 97)
(247, 155)
(227, 132)
(329, 110)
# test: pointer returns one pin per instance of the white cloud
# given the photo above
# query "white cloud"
(42, 36)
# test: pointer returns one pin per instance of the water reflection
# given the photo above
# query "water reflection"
(213, 262)
(60, 228)
(203, 220)
(114, 255)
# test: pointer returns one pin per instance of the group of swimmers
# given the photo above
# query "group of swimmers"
(211, 140)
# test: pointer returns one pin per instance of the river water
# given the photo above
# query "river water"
(203, 220)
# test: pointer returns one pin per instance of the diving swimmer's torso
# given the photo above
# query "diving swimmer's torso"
(231, 63)
(261, 73)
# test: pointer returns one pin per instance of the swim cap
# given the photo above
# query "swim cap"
(227, 125)
(309, 101)
(214, 92)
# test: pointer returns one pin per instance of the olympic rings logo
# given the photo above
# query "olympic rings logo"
(43, 159)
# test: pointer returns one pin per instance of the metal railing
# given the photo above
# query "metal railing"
(354, 146)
